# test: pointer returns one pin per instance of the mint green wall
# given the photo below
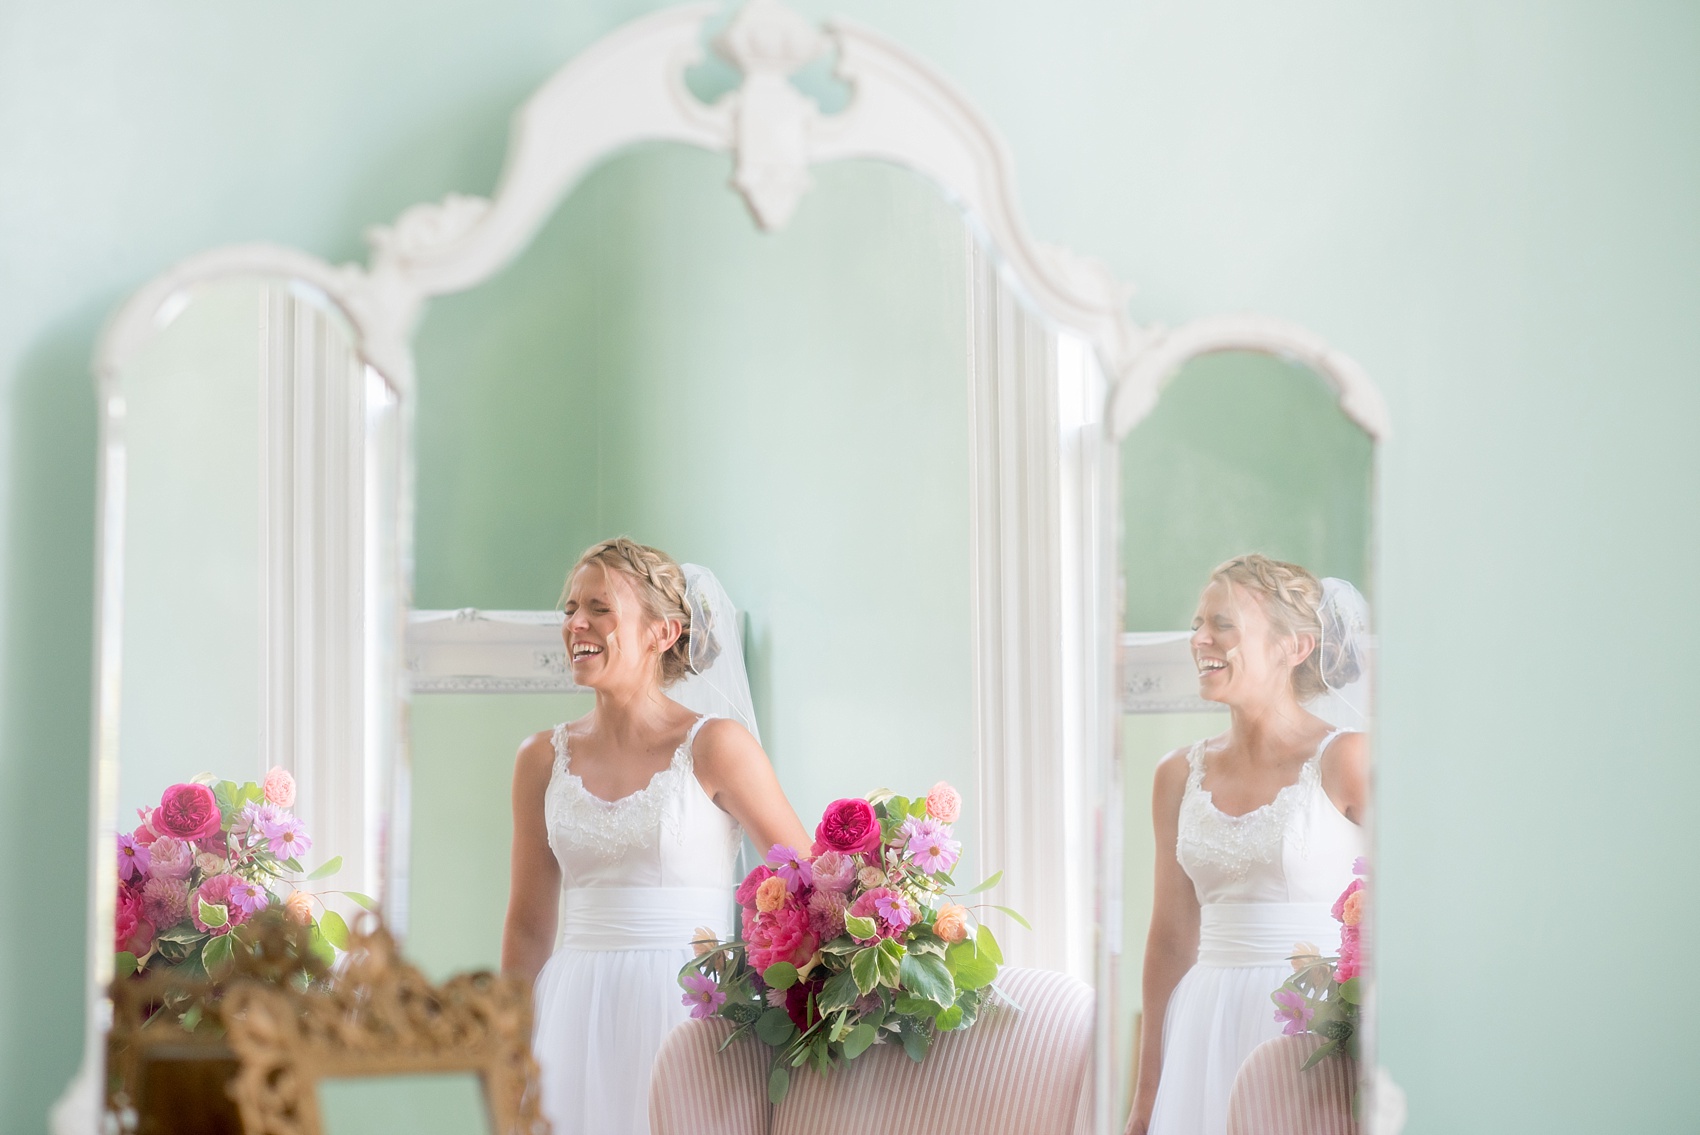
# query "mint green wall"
(1489, 204)
(1244, 453)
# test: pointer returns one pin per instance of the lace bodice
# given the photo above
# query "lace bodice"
(668, 833)
(1296, 848)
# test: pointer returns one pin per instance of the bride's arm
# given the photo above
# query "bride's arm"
(1172, 946)
(737, 776)
(534, 887)
(1345, 774)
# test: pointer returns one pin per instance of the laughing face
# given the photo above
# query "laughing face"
(609, 651)
(1241, 660)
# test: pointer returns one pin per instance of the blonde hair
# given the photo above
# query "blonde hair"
(1290, 597)
(660, 586)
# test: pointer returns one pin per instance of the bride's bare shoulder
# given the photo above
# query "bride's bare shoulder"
(536, 756)
(722, 740)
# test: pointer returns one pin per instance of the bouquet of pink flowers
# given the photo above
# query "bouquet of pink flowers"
(1324, 995)
(212, 855)
(856, 940)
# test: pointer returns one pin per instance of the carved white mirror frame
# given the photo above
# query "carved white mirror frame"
(1045, 744)
(1131, 401)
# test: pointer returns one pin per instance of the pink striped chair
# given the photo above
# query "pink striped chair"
(1274, 1094)
(1023, 1072)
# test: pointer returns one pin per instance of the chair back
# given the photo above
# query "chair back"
(1274, 1094)
(696, 1088)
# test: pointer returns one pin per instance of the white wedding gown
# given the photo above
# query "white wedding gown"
(1264, 880)
(638, 875)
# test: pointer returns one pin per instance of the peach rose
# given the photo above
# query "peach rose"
(771, 894)
(279, 787)
(871, 877)
(1352, 910)
(299, 907)
(944, 803)
(951, 923)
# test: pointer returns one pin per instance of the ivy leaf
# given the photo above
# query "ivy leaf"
(124, 965)
(334, 929)
(860, 1038)
(971, 967)
(926, 976)
(949, 1019)
(778, 1083)
(329, 867)
(908, 1005)
(774, 1027)
(858, 926)
(988, 882)
(213, 914)
(839, 992)
(780, 975)
(864, 968)
(364, 900)
(224, 795)
(216, 955)
(918, 807)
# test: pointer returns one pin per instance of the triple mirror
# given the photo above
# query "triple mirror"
(888, 423)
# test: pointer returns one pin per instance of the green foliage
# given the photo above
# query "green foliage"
(778, 1083)
(213, 914)
(988, 882)
(916, 1041)
(326, 869)
(949, 1019)
(1019, 921)
(971, 967)
(216, 954)
(355, 896)
(780, 975)
(864, 968)
(334, 929)
(859, 927)
(859, 1039)
(839, 992)
(929, 977)
(774, 1027)
(988, 944)
(123, 965)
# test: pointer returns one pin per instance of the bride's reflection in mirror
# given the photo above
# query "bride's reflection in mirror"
(1260, 786)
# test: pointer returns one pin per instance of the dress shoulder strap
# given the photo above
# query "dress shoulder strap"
(559, 738)
(691, 737)
(1195, 766)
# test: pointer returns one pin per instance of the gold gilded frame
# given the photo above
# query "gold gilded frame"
(380, 1017)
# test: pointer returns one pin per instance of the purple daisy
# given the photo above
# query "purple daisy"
(931, 846)
(702, 995)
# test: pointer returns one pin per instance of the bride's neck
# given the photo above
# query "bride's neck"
(629, 713)
(1271, 728)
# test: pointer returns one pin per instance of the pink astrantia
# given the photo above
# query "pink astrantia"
(931, 846)
(792, 867)
(285, 836)
(702, 995)
(1293, 1009)
(132, 858)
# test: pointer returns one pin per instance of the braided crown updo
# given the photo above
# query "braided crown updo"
(660, 585)
(1291, 597)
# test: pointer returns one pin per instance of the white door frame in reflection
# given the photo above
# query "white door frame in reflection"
(1132, 399)
(1034, 727)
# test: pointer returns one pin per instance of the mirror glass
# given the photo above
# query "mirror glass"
(448, 1102)
(1244, 453)
(789, 409)
(251, 545)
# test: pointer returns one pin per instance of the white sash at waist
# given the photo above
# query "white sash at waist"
(1263, 933)
(640, 918)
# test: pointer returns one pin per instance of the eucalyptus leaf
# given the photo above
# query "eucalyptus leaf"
(329, 867)
(1350, 992)
(364, 900)
(860, 1038)
(1317, 1056)
(294, 864)
(915, 1043)
(124, 965)
(988, 882)
(319, 947)
(780, 975)
(774, 1027)
(1019, 921)
(334, 929)
(778, 1083)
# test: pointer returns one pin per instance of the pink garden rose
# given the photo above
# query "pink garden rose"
(279, 787)
(143, 834)
(170, 858)
(849, 826)
(745, 895)
(944, 803)
(834, 871)
(186, 811)
(126, 919)
(1352, 888)
(1351, 955)
(218, 891)
(781, 935)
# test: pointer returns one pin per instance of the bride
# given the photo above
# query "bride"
(1257, 832)
(626, 827)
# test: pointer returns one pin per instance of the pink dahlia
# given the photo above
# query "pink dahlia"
(889, 910)
(132, 858)
(218, 891)
(826, 914)
(833, 871)
(165, 901)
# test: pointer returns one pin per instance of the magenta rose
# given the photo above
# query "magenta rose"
(781, 935)
(126, 919)
(848, 826)
(746, 892)
(187, 812)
